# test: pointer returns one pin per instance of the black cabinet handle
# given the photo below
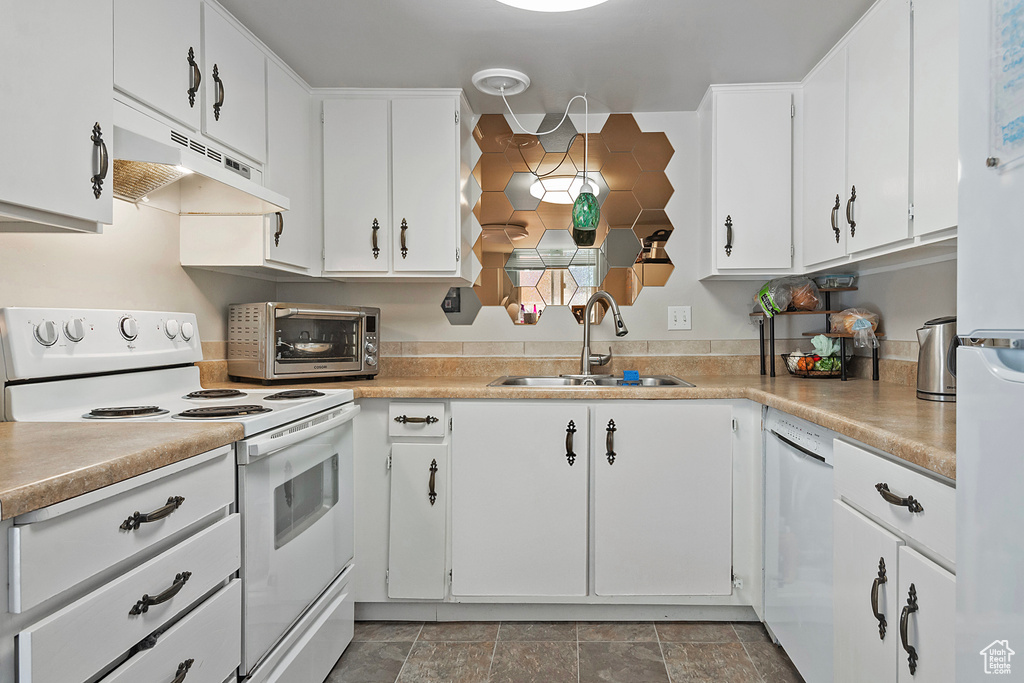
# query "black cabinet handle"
(609, 442)
(280, 229)
(835, 223)
(100, 160)
(849, 211)
(138, 518)
(194, 78)
(728, 235)
(431, 492)
(405, 248)
(893, 499)
(373, 238)
(183, 670)
(879, 580)
(147, 601)
(570, 456)
(909, 609)
(405, 419)
(220, 93)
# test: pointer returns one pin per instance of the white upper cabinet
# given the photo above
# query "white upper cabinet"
(748, 171)
(234, 79)
(392, 163)
(877, 198)
(936, 75)
(158, 56)
(824, 161)
(289, 170)
(56, 109)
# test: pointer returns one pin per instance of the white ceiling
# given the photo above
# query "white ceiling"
(628, 55)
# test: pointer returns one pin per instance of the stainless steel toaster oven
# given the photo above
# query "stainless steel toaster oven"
(281, 341)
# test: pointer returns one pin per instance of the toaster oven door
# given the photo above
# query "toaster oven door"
(318, 343)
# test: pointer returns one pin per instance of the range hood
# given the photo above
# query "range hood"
(209, 182)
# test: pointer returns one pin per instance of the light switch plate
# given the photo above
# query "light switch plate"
(679, 318)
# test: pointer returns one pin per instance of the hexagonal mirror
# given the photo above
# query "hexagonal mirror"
(525, 306)
(556, 248)
(524, 267)
(461, 305)
(622, 248)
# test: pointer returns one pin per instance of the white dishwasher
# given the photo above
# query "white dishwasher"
(798, 541)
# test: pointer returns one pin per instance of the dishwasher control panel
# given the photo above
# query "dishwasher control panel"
(804, 434)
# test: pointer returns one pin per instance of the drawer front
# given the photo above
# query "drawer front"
(50, 556)
(88, 634)
(858, 471)
(417, 419)
(210, 636)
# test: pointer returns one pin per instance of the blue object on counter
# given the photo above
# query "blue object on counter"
(631, 378)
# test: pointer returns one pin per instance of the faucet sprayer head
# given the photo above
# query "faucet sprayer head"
(620, 327)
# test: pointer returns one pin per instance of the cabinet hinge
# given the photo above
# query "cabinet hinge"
(458, 254)
(449, 576)
(792, 250)
(449, 424)
(456, 117)
(322, 120)
(387, 576)
(910, 212)
(389, 461)
(735, 425)
(792, 110)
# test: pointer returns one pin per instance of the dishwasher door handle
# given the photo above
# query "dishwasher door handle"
(799, 447)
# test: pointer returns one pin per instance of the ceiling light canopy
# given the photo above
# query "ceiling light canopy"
(562, 189)
(552, 5)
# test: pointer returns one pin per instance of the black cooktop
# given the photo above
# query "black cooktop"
(216, 393)
(122, 412)
(217, 412)
(294, 393)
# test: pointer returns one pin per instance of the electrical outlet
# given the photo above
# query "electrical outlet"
(679, 318)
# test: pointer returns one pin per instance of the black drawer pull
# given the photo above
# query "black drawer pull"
(879, 580)
(609, 442)
(183, 670)
(194, 79)
(405, 419)
(893, 499)
(139, 518)
(570, 456)
(147, 601)
(431, 492)
(909, 609)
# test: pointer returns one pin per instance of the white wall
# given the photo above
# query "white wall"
(908, 297)
(133, 264)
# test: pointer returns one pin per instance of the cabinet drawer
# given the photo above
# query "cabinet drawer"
(417, 419)
(88, 634)
(210, 636)
(857, 472)
(57, 552)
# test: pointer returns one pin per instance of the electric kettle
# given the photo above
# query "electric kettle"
(936, 360)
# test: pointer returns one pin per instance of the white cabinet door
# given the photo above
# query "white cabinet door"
(425, 183)
(55, 86)
(663, 499)
(288, 169)
(234, 79)
(878, 142)
(419, 500)
(927, 594)
(865, 569)
(519, 499)
(156, 44)
(356, 193)
(936, 74)
(753, 179)
(824, 173)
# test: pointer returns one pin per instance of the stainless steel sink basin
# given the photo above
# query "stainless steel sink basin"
(589, 381)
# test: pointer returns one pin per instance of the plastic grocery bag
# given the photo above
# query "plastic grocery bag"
(859, 322)
(779, 294)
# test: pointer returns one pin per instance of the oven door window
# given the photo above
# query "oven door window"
(303, 499)
(318, 340)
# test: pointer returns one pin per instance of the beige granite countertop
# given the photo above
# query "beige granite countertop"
(884, 415)
(42, 463)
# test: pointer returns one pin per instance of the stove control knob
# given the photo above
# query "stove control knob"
(46, 333)
(186, 331)
(74, 329)
(371, 347)
(371, 361)
(171, 329)
(129, 328)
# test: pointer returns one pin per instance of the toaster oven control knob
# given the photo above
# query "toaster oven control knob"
(186, 331)
(171, 329)
(128, 327)
(74, 329)
(371, 348)
(371, 361)
(46, 333)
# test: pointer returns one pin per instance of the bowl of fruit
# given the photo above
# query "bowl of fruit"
(824, 362)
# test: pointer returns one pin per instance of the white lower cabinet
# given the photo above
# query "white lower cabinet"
(519, 498)
(927, 604)
(418, 530)
(662, 499)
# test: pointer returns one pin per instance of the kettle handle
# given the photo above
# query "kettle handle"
(951, 355)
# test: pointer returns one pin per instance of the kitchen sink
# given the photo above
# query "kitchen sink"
(589, 381)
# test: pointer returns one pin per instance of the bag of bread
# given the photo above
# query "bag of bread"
(859, 322)
(805, 294)
(788, 293)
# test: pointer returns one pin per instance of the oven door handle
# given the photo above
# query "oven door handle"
(318, 312)
(262, 446)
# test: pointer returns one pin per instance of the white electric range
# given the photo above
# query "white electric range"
(294, 462)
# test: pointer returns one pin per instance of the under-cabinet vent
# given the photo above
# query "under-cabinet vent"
(179, 138)
(214, 154)
(196, 147)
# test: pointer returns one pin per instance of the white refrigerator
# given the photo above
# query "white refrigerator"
(990, 381)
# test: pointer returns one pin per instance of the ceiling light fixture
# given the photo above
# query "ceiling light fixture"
(552, 5)
(562, 189)
(586, 211)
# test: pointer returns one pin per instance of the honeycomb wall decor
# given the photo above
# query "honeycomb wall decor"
(526, 249)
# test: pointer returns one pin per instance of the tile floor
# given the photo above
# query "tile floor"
(557, 652)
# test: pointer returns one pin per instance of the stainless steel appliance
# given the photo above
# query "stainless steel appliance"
(798, 541)
(295, 463)
(936, 360)
(275, 341)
